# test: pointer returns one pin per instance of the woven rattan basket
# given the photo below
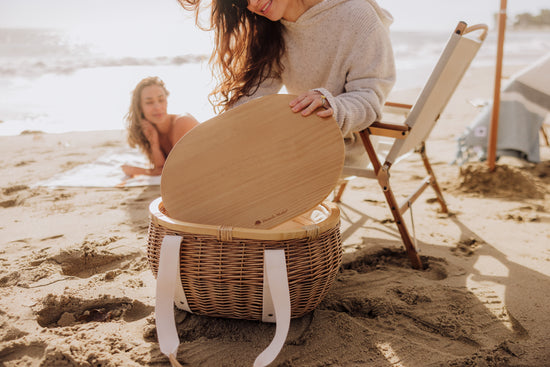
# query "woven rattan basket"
(221, 269)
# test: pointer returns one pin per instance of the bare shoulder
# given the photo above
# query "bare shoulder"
(185, 119)
(182, 124)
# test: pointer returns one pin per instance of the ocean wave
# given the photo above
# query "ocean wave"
(36, 67)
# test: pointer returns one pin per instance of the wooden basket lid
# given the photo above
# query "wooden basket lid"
(255, 166)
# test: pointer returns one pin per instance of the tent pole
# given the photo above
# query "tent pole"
(493, 133)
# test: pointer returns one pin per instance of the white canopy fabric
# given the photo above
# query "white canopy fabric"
(536, 76)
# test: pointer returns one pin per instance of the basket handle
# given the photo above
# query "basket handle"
(276, 306)
(167, 285)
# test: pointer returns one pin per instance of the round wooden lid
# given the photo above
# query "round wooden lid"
(255, 166)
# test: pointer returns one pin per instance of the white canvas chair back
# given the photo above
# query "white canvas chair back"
(420, 119)
(448, 72)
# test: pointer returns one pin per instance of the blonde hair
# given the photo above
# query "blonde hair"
(136, 137)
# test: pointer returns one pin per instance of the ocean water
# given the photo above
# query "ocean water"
(68, 80)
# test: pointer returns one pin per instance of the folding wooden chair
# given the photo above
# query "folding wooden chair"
(413, 133)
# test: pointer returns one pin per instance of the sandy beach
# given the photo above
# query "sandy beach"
(76, 288)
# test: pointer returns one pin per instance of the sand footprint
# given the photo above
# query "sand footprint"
(434, 268)
(14, 344)
(31, 351)
(92, 257)
(498, 310)
(13, 189)
(526, 213)
(9, 279)
(61, 311)
(27, 269)
(7, 200)
(467, 247)
(360, 305)
(9, 332)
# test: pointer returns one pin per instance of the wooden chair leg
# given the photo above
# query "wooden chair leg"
(383, 180)
(405, 236)
(433, 180)
(340, 191)
(544, 135)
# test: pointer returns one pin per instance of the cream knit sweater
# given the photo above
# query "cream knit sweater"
(341, 48)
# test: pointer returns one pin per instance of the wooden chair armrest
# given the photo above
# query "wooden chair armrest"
(483, 27)
(398, 105)
(397, 108)
(390, 126)
(388, 129)
(396, 131)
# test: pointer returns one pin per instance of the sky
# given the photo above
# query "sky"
(112, 14)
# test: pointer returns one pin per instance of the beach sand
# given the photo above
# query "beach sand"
(76, 288)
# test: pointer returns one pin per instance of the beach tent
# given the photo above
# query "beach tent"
(524, 105)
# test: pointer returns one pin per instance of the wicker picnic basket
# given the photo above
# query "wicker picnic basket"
(221, 268)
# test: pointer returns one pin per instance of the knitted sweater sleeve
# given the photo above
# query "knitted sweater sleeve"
(370, 76)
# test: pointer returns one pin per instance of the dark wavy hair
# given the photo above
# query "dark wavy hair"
(247, 49)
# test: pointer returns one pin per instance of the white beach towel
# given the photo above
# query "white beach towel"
(106, 171)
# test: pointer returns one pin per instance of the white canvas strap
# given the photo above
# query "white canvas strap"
(167, 286)
(276, 295)
(276, 305)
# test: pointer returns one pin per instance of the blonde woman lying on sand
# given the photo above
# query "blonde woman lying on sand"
(151, 128)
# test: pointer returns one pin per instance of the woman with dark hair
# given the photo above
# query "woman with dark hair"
(334, 54)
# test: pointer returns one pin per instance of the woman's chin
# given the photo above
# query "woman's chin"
(156, 120)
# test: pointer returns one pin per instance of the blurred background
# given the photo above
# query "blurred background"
(70, 65)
